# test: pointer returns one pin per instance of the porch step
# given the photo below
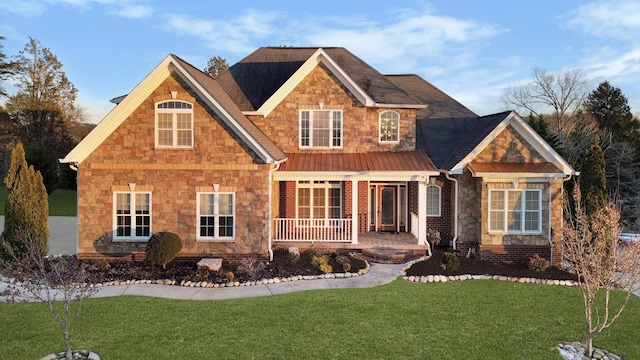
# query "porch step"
(385, 254)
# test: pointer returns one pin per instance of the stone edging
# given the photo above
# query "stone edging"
(445, 278)
(205, 284)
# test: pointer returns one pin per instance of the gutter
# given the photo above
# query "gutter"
(270, 225)
(455, 211)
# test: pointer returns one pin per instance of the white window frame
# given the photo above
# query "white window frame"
(387, 134)
(436, 214)
(523, 211)
(216, 216)
(305, 133)
(327, 186)
(174, 111)
(132, 216)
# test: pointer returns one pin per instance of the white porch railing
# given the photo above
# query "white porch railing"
(327, 230)
(414, 224)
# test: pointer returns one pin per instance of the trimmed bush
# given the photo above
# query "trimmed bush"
(537, 263)
(321, 263)
(450, 261)
(163, 247)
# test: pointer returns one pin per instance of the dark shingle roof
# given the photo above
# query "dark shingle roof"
(439, 104)
(216, 91)
(448, 140)
(254, 79)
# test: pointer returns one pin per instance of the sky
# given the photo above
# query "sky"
(471, 50)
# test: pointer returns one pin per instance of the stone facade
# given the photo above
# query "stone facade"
(360, 124)
(173, 176)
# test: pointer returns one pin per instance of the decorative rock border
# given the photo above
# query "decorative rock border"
(205, 284)
(577, 350)
(77, 354)
(445, 278)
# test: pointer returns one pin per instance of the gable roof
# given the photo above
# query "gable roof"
(260, 81)
(452, 144)
(439, 104)
(208, 90)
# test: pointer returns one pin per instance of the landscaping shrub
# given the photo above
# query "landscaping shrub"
(163, 247)
(292, 258)
(537, 263)
(450, 261)
(250, 268)
(321, 263)
(344, 261)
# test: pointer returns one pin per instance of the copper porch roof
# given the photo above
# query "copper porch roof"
(416, 161)
(511, 168)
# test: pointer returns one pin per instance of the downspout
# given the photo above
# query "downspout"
(270, 226)
(555, 179)
(455, 211)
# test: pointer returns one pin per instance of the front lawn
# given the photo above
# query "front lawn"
(477, 319)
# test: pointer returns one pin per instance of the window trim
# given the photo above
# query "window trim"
(132, 215)
(216, 215)
(439, 200)
(397, 134)
(332, 129)
(174, 123)
(523, 211)
(327, 185)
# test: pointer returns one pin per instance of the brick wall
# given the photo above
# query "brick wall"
(173, 177)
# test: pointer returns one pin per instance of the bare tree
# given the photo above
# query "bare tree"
(215, 66)
(560, 94)
(592, 252)
(59, 283)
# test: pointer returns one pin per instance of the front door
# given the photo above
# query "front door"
(387, 207)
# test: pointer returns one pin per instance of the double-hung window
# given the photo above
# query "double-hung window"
(320, 129)
(389, 126)
(433, 200)
(216, 216)
(515, 211)
(174, 124)
(318, 201)
(132, 215)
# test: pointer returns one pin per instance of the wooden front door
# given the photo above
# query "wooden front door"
(387, 207)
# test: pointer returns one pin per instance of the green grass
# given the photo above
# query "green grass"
(61, 202)
(459, 320)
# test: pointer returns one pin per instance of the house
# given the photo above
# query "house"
(296, 146)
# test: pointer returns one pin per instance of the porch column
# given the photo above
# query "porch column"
(422, 212)
(354, 211)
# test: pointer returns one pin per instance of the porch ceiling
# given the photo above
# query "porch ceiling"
(406, 165)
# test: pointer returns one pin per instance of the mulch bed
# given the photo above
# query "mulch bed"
(471, 266)
(241, 271)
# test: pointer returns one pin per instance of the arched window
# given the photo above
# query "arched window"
(433, 200)
(389, 126)
(174, 124)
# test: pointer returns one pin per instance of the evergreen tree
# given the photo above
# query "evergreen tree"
(593, 183)
(539, 124)
(611, 110)
(215, 66)
(27, 207)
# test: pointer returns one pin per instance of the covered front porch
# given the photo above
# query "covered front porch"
(353, 201)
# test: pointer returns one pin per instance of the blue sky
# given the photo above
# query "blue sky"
(471, 50)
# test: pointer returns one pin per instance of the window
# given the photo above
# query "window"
(515, 211)
(174, 124)
(320, 129)
(216, 216)
(319, 200)
(132, 215)
(389, 126)
(433, 200)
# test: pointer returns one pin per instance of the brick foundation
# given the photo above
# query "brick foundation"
(512, 254)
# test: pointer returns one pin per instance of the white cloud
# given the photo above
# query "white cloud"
(612, 19)
(28, 8)
(136, 12)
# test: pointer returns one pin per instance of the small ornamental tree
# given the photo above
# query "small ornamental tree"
(163, 247)
(27, 204)
(592, 252)
(593, 182)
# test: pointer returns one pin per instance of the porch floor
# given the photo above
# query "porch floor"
(368, 240)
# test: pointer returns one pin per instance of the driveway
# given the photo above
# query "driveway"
(63, 231)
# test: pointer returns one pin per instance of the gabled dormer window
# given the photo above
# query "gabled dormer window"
(389, 126)
(320, 129)
(174, 124)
